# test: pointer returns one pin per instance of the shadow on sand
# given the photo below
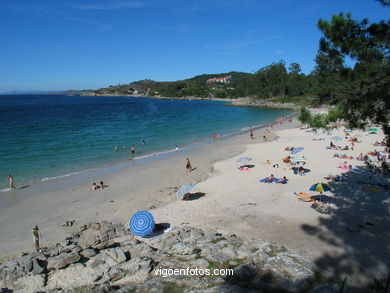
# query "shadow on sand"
(357, 225)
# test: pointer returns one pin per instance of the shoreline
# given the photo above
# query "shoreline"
(61, 181)
(166, 174)
(347, 240)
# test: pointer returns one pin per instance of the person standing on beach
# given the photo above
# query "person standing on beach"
(188, 165)
(177, 149)
(36, 236)
(132, 149)
(251, 132)
(10, 181)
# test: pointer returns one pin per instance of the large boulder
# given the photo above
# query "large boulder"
(63, 260)
(30, 283)
(88, 253)
(291, 272)
(74, 276)
(114, 255)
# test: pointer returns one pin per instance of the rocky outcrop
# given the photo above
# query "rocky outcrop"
(102, 257)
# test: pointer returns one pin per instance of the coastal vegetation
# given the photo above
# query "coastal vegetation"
(352, 74)
(361, 92)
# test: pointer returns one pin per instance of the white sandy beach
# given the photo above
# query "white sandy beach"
(352, 238)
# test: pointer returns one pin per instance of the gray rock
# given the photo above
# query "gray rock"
(139, 250)
(229, 251)
(274, 248)
(38, 266)
(244, 251)
(325, 288)
(244, 273)
(113, 256)
(30, 283)
(296, 275)
(62, 261)
(201, 263)
(88, 238)
(104, 245)
(88, 253)
(259, 258)
(181, 248)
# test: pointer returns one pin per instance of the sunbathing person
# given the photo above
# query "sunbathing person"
(270, 178)
(282, 180)
(301, 170)
(94, 186)
(287, 160)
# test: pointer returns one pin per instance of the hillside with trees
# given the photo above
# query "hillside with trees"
(272, 81)
(359, 92)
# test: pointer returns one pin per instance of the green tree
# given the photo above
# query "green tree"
(272, 80)
(304, 116)
(327, 73)
(365, 87)
(295, 83)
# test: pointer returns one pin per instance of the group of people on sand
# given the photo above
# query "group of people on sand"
(95, 186)
(271, 179)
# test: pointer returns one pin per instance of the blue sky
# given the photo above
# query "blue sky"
(77, 44)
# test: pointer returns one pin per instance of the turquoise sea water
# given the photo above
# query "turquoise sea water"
(47, 136)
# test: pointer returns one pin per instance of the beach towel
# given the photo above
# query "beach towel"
(266, 178)
(343, 168)
(283, 182)
(296, 150)
(244, 170)
(299, 159)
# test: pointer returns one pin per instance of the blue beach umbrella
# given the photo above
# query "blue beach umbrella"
(142, 223)
(185, 189)
(320, 187)
(244, 159)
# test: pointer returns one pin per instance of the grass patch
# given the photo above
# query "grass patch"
(218, 239)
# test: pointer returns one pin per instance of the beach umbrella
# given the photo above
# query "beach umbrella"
(320, 187)
(373, 129)
(142, 223)
(185, 189)
(244, 159)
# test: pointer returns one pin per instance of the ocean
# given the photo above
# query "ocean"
(43, 137)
